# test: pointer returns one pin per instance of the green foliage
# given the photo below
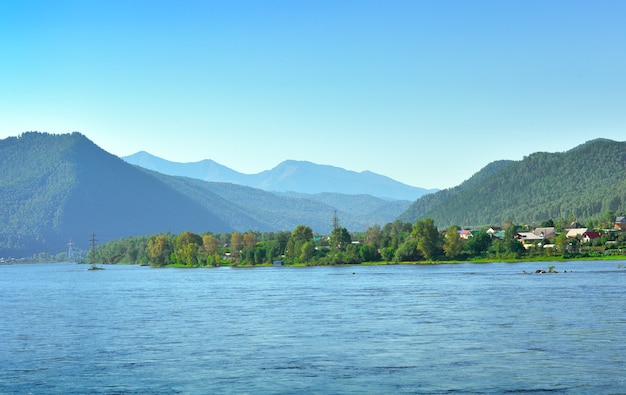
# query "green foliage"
(57, 187)
(369, 253)
(424, 243)
(340, 238)
(478, 244)
(407, 252)
(427, 236)
(452, 243)
(585, 182)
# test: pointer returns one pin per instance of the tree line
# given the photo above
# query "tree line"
(395, 242)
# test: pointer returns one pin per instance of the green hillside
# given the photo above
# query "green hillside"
(245, 208)
(584, 182)
(54, 188)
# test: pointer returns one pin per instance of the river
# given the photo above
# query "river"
(423, 329)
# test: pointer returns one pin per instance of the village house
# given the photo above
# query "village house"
(573, 225)
(546, 233)
(576, 232)
(528, 239)
(493, 230)
(465, 234)
(620, 223)
(589, 236)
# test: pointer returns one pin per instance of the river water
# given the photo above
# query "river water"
(465, 328)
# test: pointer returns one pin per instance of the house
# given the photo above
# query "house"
(573, 225)
(574, 233)
(493, 230)
(528, 237)
(546, 233)
(620, 223)
(465, 234)
(588, 236)
(499, 235)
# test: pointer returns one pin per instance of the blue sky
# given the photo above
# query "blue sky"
(425, 92)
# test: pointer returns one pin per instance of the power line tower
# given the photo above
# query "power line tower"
(70, 253)
(335, 221)
(92, 252)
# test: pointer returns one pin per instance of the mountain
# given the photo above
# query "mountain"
(358, 211)
(206, 170)
(288, 176)
(584, 182)
(54, 188)
(248, 208)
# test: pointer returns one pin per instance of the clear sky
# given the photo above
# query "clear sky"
(425, 92)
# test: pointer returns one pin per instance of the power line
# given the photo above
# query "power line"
(70, 252)
(335, 221)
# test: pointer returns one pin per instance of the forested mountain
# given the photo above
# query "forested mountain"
(54, 188)
(584, 182)
(288, 176)
(361, 210)
(245, 208)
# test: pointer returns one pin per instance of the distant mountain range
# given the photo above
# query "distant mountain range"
(54, 188)
(289, 176)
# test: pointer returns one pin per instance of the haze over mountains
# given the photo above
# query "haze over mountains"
(54, 188)
(288, 176)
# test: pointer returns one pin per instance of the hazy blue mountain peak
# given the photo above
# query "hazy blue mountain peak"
(288, 176)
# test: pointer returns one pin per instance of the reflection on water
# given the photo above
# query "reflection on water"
(384, 329)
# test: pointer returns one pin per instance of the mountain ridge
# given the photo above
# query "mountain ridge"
(57, 188)
(288, 176)
(583, 182)
(65, 187)
(54, 188)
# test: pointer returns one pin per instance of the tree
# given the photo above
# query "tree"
(187, 246)
(369, 253)
(340, 238)
(511, 245)
(609, 219)
(210, 244)
(407, 251)
(388, 253)
(427, 237)
(249, 240)
(189, 254)
(186, 238)
(236, 241)
(394, 234)
(159, 249)
(560, 241)
(452, 242)
(479, 243)
(306, 251)
(373, 236)
(352, 254)
(260, 255)
(302, 233)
